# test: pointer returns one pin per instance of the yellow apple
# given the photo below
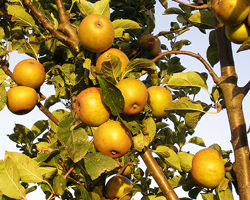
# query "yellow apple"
(237, 34)
(21, 99)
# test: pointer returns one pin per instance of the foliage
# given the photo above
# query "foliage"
(62, 159)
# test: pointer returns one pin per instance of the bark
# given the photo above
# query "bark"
(233, 96)
(158, 175)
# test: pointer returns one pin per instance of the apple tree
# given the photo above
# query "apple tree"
(61, 154)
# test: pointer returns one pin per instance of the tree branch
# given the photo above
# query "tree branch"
(158, 175)
(205, 6)
(245, 89)
(216, 79)
(65, 25)
(60, 36)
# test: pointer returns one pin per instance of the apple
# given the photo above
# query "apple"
(208, 168)
(135, 95)
(90, 107)
(147, 41)
(112, 139)
(237, 34)
(119, 187)
(232, 12)
(156, 49)
(96, 33)
(106, 56)
(29, 73)
(159, 99)
(21, 99)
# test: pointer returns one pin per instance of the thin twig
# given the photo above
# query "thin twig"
(60, 36)
(245, 89)
(204, 6)
(216, 79)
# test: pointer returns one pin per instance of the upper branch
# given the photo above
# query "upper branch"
(216, 79)
(65, 25)
(244, 90)
(60, 36)
(204, 6)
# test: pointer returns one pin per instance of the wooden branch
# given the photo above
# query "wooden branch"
(47, 25)
(201, 7)
(158, 175)
(65, 25)
(233, 101)
(216, 79)
(245, 89)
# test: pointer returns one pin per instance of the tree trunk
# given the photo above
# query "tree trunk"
(233, 96)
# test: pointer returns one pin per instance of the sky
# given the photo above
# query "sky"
(213, 128)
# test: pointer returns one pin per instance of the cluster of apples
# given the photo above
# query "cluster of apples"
(235, 14)
(96, 34)
(29, 74)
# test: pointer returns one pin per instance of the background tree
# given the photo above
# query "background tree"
(58, 153)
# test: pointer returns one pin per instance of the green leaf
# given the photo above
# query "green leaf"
(245, 45)
(226, 195)
(27, 167)
(84, 193)
(2, 33)
(47, 172)
(59, 115)
(3, 76)
(154, 197)
(169, 155)
(102, 8)
(173, 11)
(139, 64)
(149, 127)
(140, 141)
(20, 134)
(85, 7)
(187, 79)
(9, 180)
(97, 163)
(202, 19)
(185, 104)
(185, 160)
(164, 3)
(75, 140)
(112, 68)
(174, 65)
(3, 97)
(125, 24)
(176, 181)
(50, 101)
(21, 17)
(197, 140)
(112, 96)
(208, 196)
(192, 119)
(212, 51)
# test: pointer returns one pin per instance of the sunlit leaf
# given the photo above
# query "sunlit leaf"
(3, 97)
(85, 7)
(208, 196)
(102, 7)
(75, 141)
(125, 24)
(185, 104)
(245, 45)
(22, 17)
(171, 158)
(97, 163)
(185, 160)
(197, 140)
(202, 19)
(226, 195)
(10, 180)
(187, 79)
(140, 141)
(27, 167)
(176, 181)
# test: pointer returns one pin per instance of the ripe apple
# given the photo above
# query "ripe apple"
(248, 20)
(21, 99)
(90, 107)
(106, 56)
(232, 12)
(159, 99)
(119, 187)
(237, 34)
(29, 73)
(134, 93)
(96, 33)
(112, 139)
(208, 168)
